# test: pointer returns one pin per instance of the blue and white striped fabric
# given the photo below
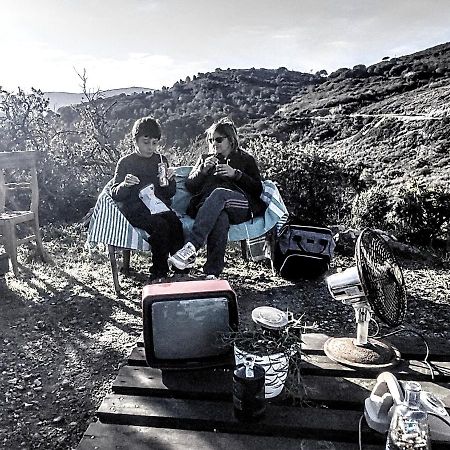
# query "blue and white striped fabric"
(110, 227)
(276, 213)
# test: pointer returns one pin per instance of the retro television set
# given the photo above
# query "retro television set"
(183, 321)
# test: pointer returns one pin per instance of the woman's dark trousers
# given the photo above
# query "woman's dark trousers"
(222, 208)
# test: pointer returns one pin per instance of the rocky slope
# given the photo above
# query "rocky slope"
(190, 106)
(393, 117)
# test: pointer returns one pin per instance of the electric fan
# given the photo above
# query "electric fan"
(374, 286)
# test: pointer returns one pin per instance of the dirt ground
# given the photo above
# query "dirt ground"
(64, 334)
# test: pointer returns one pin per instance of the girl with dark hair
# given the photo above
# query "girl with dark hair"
(226, 187)
(143, 199)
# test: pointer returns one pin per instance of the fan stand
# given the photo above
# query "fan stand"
(362, 352)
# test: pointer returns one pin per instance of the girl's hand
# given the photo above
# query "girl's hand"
(130, 180)
(210, 162)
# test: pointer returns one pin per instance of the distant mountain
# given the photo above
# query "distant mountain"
(59, 99)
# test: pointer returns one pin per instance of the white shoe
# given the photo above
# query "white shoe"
(211, 277)
(184, 258)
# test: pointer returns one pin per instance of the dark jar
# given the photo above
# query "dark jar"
(248, 391)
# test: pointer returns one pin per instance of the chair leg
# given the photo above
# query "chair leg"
(126, 254)
(10, 243)
(244, 250)
(272, 266)
(39, 246)
(114, 270)
(271, 238)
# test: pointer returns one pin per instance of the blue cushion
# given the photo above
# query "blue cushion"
(181, 199)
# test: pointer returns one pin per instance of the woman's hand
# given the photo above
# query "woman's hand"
(209, 163)
(130, 180)
(226, 171)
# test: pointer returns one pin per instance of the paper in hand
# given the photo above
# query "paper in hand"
(151, 201)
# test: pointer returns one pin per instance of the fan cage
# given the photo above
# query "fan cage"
(381, 277)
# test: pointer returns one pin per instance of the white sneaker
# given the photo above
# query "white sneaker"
(184, 258)
(211, 277)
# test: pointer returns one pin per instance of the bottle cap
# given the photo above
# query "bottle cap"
(269, 317)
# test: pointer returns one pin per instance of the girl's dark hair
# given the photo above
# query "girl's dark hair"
(226, 127)
(146, 126)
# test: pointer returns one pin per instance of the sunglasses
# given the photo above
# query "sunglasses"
(218, 139)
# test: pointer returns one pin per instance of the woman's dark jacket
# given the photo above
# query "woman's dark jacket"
(247, 181)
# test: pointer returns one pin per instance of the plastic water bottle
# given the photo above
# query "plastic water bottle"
(409, 425)
(248, 391)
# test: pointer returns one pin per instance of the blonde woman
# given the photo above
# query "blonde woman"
(226, 187)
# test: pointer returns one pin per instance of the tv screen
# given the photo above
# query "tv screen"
(183, 322)
(197, 321)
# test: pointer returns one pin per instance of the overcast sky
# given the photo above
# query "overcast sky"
(151, 43)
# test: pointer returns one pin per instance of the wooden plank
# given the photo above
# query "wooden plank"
(14, 160)
(321, 365)
(411, 347)
(101, 436)
(137, 357)
(351, 392)
(208, 384)
(291, 422)
(346, 393)
(282, 421)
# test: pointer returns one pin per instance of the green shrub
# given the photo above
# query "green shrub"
(416, 214)
(371, 207)
(421, 214)
(316, 188)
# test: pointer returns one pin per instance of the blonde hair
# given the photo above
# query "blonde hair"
(226, 127)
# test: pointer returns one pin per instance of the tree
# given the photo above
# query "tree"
(24, 121)
(95, 128)
(322, 73)
(27, 125)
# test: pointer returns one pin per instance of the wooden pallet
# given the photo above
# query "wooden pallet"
(150, 408)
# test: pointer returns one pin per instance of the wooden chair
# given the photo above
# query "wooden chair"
(14, 167)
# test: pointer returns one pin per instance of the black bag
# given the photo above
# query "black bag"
(303, 251)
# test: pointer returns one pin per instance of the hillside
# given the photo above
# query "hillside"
(392, 116)
(190, 106)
